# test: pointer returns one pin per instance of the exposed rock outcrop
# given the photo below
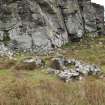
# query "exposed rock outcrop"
(40, 25)
(94, 18)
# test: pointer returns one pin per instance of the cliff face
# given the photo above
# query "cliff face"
(94, 18)
(39, 25)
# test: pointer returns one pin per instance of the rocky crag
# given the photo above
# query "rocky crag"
(40, 25)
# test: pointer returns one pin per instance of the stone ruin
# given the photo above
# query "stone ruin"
(64, 68)
(72, 69)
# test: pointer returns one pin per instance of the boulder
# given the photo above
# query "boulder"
(86, 69)
(67, 75)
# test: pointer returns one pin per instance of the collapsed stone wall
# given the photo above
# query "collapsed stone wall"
(40, 25)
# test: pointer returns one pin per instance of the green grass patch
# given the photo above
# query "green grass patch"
(4, 72)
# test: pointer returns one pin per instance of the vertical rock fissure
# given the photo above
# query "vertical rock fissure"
(60, 6)
(81, 8)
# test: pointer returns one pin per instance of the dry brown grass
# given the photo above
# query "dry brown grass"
(52, 92)
(25, 66)
(7, 64)
(23, 92)
(95, 92)
(26, 92)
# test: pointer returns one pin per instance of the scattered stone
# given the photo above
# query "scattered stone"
(37, 61)
(80, 69)
(58, 63)
(53, 71)
(29, 61)
(88, 69)
(67, 75)
(6, 52)
(100, 43)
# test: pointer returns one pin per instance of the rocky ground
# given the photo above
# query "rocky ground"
(31, 79)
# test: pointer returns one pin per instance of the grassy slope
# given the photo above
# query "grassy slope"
(38, 88)
(91, 51)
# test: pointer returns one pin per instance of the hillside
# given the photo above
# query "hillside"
(52, 52)
(28, 85)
